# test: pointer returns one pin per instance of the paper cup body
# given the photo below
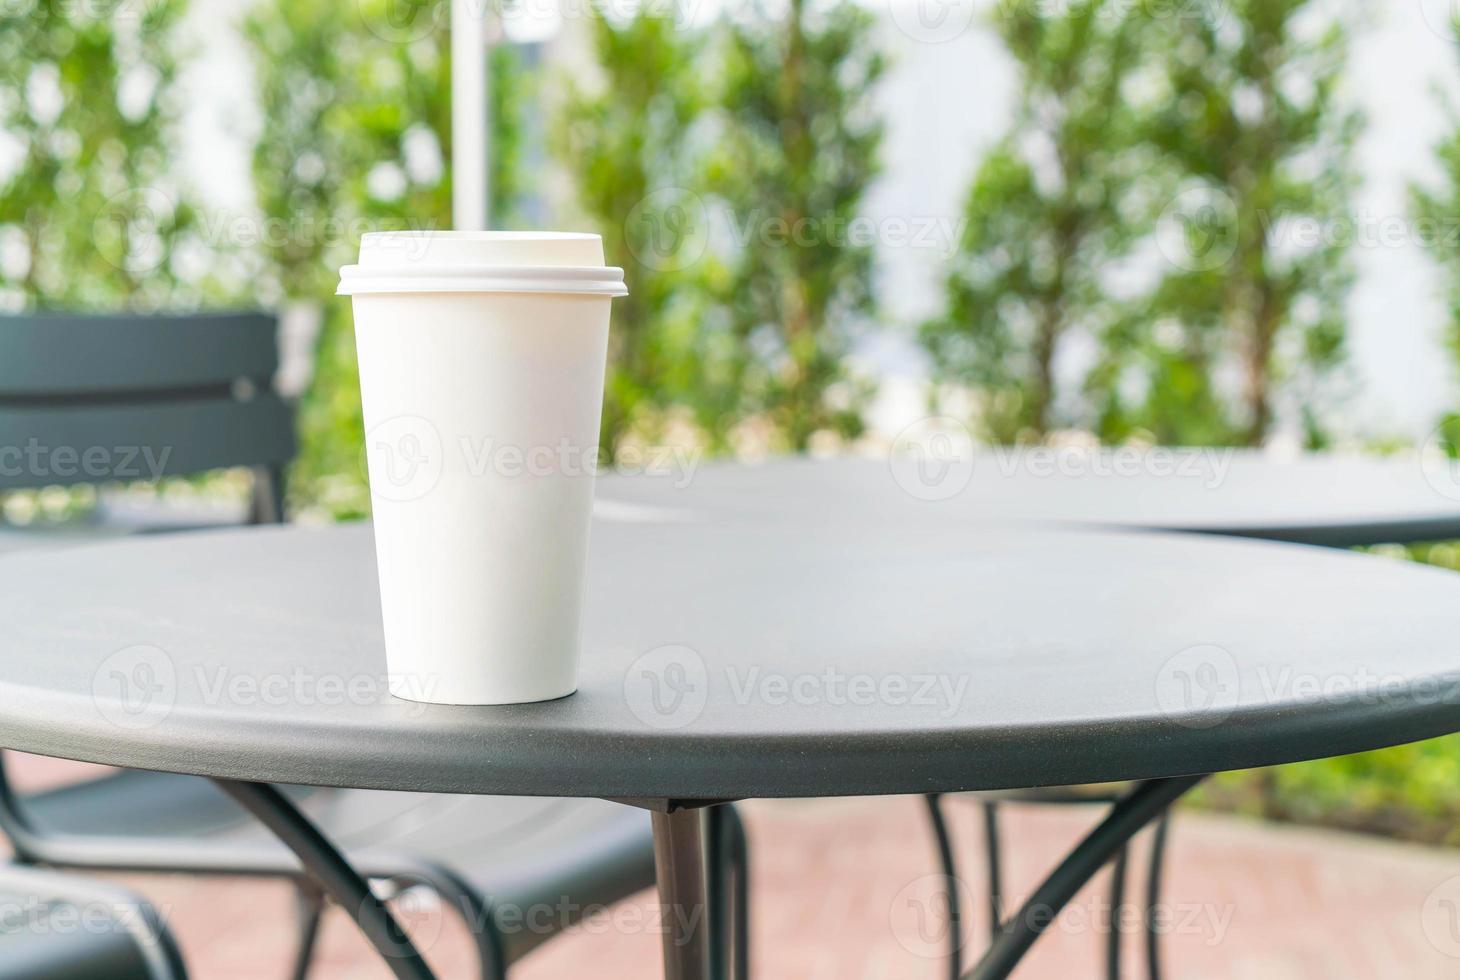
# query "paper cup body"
(481, 411)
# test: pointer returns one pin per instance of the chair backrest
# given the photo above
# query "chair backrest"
(92, 399)
(66, 927)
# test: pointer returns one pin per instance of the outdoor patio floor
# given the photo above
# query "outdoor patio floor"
(841, 891)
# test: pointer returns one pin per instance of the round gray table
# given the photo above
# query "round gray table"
(930, 480)
(739, 659)
(1339, 501)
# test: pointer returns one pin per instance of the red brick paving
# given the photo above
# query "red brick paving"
(840, 891)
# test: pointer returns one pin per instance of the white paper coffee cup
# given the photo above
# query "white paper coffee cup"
(482, 357)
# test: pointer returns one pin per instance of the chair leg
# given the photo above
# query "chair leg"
(1117, 902)
(728, 885)
(1153, 895)
(266, 502)
(944, 843)
(1136, 810)
(475, 911)
(740, 897)
(308, 910)
(995, 866)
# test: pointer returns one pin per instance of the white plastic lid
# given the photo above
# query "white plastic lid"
(481, 261)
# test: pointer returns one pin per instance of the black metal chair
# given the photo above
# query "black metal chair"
(63, 927)
(94, 399)
(100, 399)
(991, 841)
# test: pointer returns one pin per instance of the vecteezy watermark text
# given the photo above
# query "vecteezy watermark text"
(42, 915)
(921, 921)
(935, 458)
(1201, 686)
(137, 687)
(1207, 465)
(40, 461)
(669, 686)
(406, 456)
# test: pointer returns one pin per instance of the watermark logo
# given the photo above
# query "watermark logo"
(1197, 230)
(136, 687)
(1439, 459)
(1440, 917)
(668, 230)
(921, 914)
(128, 229)
(932, 21)
(403, 21)
(667, 687)
(404, 458)
(932, 459)
(1441, 17)
(416, 907)
(1199, 686)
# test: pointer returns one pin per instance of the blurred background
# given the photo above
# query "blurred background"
(1128, 222)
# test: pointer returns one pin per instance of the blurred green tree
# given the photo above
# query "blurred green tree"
(94, 213)
(1436, 210)
(356, 137)
(1053, 206)
(799, 148)
(1256, 239)
(633, 143)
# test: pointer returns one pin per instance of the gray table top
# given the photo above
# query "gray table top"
(1331, 500)
(744, 659)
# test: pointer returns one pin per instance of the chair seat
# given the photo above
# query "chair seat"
(1089, 793)
(61, 927)
(542, 862)
(134, 803)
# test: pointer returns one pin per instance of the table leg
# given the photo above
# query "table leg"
(680, 866)
(334, 874)
(1147, 802)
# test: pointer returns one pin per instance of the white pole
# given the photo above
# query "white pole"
(469, 122)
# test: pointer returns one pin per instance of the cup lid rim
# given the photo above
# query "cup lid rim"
(598, 280)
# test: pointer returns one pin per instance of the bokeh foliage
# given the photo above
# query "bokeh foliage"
(724, 167)
(633, 142)
(1250, 112)
(800, 148)
(357, 138)
(1210, 140)
(1053, 206)
(93, 215)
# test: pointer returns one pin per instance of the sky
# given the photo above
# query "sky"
(948, 97)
